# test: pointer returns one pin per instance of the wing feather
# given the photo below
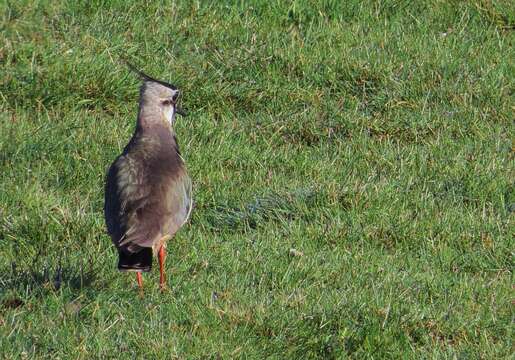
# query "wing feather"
(180, 201)
(139, 215)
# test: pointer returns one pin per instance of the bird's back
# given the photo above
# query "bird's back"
(147, 195)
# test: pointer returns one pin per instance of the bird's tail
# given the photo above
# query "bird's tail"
(140, 261)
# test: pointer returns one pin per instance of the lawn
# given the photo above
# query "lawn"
(352, 165)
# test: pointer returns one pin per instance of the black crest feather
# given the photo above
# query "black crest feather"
(146, 77)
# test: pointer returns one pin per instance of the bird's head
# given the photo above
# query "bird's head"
(158, 98)
(161, 98)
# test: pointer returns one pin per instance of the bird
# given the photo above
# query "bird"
(148, 192)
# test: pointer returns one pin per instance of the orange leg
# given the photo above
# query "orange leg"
(162, 256)
(140, 281)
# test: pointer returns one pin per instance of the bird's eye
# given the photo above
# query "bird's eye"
(166, 102)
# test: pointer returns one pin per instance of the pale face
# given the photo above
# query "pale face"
(168, 106)
(159, 102)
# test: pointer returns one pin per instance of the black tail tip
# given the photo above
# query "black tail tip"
(140, 261)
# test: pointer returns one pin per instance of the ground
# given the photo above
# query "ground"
(352, 166)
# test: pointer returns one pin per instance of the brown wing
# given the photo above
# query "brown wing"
(179, 203)
(142, 209)
(127, 195)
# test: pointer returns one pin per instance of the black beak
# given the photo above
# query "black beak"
(180, 111)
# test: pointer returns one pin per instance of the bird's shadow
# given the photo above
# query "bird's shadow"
(16, 283)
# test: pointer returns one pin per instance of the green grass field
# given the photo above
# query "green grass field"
(353, 170)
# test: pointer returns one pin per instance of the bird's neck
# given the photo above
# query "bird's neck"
(151, 119)
(154, 135)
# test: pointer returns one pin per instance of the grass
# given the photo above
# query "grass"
(353, 178)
